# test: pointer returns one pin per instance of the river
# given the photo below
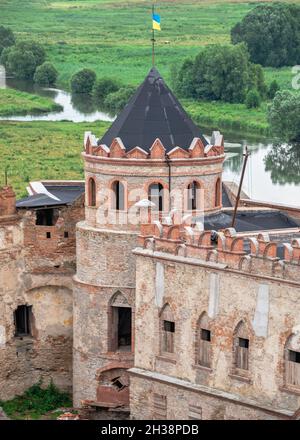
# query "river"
(273, 171)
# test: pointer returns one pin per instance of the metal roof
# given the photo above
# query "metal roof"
(66, 194)
(153, 112)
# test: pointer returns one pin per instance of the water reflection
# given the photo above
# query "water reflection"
(78, 108)
(283, 161)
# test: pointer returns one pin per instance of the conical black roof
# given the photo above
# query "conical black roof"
(153, 112)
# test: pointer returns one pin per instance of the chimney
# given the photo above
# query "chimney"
(7, 201)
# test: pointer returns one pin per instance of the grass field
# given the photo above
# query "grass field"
(42, 150)
(14, 102)
(113, 36)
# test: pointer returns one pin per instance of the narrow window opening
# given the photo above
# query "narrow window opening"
(169, 326)
(244, 343)
(48, 234)
(155, 195)
(66, 234)
(92, 192)
(294, 356)
(168, 336)
(124, 328)
(22, 318)
(119, 193)
(205, 335)
(193, 193)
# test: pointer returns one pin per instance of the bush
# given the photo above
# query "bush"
(22, 59)
(116, 101)
(7, 38)
(284, 116)
(36, 401)
(252, 99)
(220, 73)
(83, 81)
(45, 75)
(104, 87)
(272, 34)
(273, 89)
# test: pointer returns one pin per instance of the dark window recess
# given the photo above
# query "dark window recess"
(118, 189)
(48, 234)
(244, 343)
(124, 327)
(46, 217)
(294, 356)
(22, 317)
(156, 195)
(66, 234)
(205, 335)
(169, 326)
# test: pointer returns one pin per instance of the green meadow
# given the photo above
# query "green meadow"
(14, 102)
(42, 150)
(113, 38)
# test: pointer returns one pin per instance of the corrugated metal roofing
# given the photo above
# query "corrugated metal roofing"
(66, 194)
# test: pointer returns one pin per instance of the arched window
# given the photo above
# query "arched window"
(120, 318)
(167, 324)
(203, 341)
(292, 361)
(156, 195)
(218, 193)
(193, 196)
(92, 192)
(118, 201)
(241, 347)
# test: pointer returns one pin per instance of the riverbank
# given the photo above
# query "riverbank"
(14, 102)
(233, 117)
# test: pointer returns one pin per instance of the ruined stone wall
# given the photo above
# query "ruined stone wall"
(105, 266)
(264, 294)
(37, 272)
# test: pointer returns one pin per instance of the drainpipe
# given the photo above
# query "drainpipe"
(168, 162)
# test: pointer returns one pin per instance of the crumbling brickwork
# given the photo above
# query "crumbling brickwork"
(36, 272)
(232, 284)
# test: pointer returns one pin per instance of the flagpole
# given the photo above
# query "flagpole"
(153, 40)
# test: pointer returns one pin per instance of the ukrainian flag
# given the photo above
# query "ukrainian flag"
(156, 22)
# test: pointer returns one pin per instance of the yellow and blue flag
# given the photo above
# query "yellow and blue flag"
(156, 22)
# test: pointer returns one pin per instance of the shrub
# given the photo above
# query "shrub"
(116, 101)
(7, 38)
(284, 116)
(83, 81)
(104, 87)
(272, 34)
(36, 401)
(252, 99)
(273, 89)
(45, 75)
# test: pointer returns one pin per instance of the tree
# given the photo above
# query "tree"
(104, 87)
(116, 101)
(83, 81)
(7, 38)
(45, 75)
(21, 63)
(284, 116)
(22, 59)
(220, 73)
(252, 99)
(273, 89)
(272, 34)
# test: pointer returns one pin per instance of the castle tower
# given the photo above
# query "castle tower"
(154, 151)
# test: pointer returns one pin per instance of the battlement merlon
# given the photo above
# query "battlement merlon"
(196, 150)
(254, 254)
